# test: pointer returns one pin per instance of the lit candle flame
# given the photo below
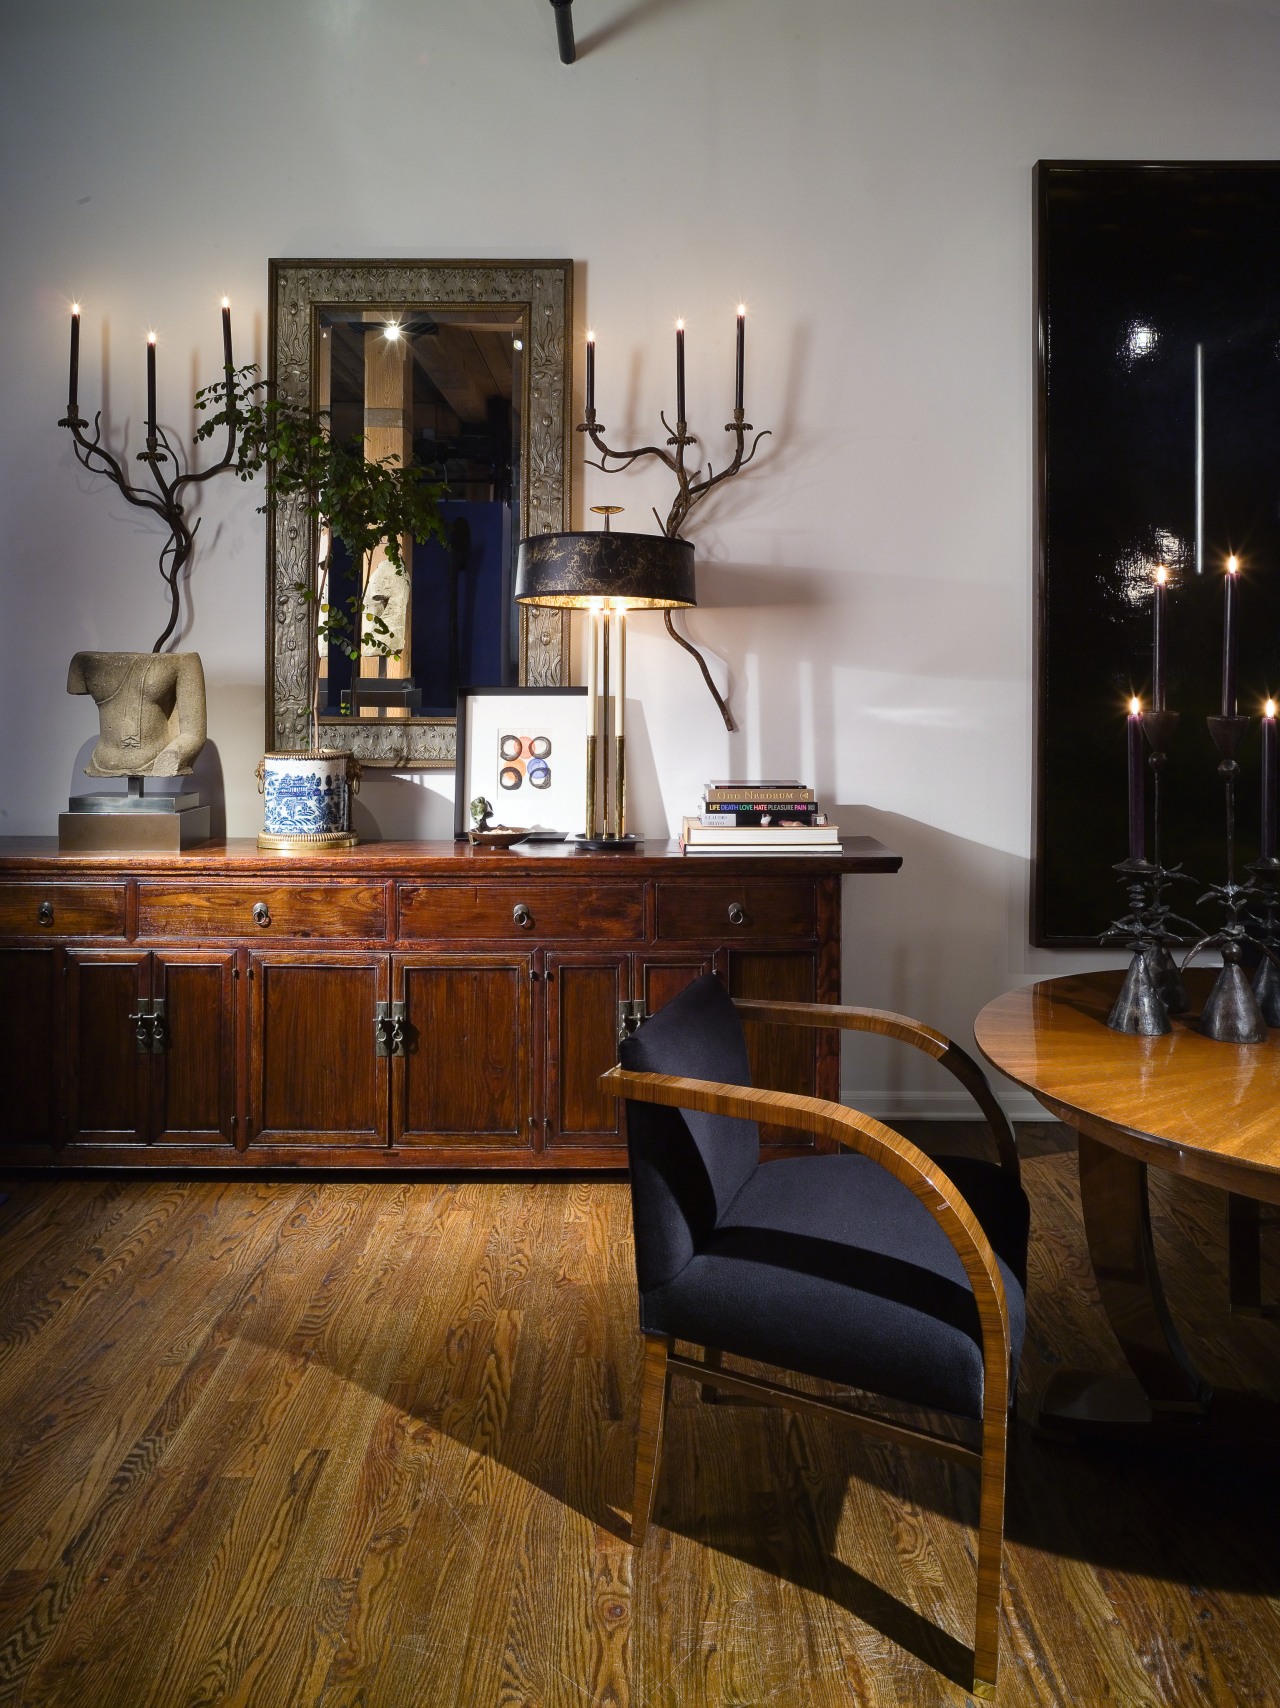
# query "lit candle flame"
(1162, 575)
(226, 302)
(591, 337)
(1233, 564)
(151, 337)
(1269, 710)
(75, 308)
(1135, 706)
(679, 325)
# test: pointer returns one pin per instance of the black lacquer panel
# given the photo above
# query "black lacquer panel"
(1137, 266)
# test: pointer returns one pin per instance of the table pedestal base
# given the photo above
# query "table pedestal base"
(1082, 1404)
(1165, 1387)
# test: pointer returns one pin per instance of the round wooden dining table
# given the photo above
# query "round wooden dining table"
(1181, 1102)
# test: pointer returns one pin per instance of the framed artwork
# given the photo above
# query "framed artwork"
(525, 751)
(1158, 443)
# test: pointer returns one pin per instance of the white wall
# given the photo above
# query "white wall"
(858, 170)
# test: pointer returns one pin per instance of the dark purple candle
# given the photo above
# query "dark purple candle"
(680, 415)
(227, 361)
(1137, 798)
(151, 385)
(1230, 597)
(591, 371)
(742, 351)
(73, 383)
(1269, 781)
(1157, 640)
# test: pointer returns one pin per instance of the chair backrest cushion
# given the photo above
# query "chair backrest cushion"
(686, 1167)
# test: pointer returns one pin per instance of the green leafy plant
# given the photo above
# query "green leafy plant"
(363, 503)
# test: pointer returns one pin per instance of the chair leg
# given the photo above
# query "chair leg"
(986, 1630)
(654, 1383)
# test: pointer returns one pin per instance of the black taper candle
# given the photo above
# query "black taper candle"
(151, 388)
(1137, 795)
(1230, 594)
(742, 351)
(1269, 782)
(680, 415)
(73, 382)
(591, 371)
(1157, 640)
(227, 360)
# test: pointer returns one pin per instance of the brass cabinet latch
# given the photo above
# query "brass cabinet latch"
(149, 1029)
(631, 1015)
(390, 1029)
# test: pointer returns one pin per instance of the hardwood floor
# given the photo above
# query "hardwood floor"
(369, 1445)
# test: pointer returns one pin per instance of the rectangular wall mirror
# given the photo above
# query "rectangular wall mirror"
(463, 368)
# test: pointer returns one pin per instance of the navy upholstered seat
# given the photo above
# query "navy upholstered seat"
(826, 1264)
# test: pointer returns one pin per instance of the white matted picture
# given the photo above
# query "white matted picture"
(524, 750)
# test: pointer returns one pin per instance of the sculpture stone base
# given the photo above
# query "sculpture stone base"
(132, 832)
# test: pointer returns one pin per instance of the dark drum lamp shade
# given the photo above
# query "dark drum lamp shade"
(635, 572)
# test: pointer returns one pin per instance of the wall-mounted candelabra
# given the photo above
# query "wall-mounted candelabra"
(692, 486)
(164, 497)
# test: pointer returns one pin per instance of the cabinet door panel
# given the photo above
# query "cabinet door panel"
(661, 979)
(583, 993)
(28, 1044)
(783, 1058)
(107, 1076)
(467, 1077)
(315, 1076)
(194, 1079)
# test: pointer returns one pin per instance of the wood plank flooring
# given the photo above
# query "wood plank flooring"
(368, 1445)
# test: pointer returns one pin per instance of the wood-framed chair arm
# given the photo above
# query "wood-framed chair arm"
(906, 1162)
(947, 1054)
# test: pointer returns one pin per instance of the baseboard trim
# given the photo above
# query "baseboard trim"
(893, 1106)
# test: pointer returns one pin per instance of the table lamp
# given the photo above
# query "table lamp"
(606, 575)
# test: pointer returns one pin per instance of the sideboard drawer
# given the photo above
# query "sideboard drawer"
(737, 908)
(518, 912)
(262, 911)
(69, 910)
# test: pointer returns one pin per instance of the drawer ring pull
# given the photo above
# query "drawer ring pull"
(522, 917)
(737, 914)
(261, 913)
(45, 913)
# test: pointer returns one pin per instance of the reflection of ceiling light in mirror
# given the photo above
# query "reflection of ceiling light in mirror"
(391, 332)
(517, 343)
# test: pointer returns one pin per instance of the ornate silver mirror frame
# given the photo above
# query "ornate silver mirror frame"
(299, 292)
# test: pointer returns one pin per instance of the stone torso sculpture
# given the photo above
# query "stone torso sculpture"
(151, 711)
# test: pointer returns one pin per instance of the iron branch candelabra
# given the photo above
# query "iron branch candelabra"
(691, 488)
(166, 501)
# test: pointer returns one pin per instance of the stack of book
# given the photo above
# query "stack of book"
(773, 815)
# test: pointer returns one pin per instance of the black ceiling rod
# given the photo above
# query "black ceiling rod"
(564, 31)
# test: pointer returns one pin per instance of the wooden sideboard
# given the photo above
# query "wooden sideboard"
(401, 1004)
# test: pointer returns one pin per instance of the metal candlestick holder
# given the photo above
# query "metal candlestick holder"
(1152, 988)
(1266, 980)
(690, 488)
(1231, 1015)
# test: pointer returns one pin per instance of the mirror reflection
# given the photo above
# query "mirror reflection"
(441, 387)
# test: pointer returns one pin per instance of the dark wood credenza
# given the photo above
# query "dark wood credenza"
(402, 1004)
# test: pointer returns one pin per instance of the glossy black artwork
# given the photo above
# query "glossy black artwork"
(1159, 443)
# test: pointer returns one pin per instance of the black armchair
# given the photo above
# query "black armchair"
(884, 1270)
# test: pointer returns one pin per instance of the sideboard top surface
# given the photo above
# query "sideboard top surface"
(243, 857)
